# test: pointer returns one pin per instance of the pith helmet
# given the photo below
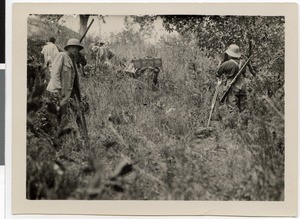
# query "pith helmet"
(233, 51)
(73, 42)
(101, 42)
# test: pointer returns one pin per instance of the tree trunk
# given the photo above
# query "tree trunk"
(83, 23)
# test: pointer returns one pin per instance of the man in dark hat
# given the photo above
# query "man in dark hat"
(64, 81)
(64, 75)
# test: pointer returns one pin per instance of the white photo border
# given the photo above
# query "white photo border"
(22, 206)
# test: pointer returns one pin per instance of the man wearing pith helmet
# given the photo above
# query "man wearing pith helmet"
(102, 55)
(236, 98)
(64, 81)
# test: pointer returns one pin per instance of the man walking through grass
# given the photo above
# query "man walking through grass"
(63, 88)
(236, 98)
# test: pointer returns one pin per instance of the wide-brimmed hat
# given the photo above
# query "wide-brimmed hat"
(73, 42)
(233, 51)
(101, 42)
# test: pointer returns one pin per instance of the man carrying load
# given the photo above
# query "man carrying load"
(236, 97)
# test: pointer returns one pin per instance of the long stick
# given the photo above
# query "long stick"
(81, 119)
(214, 102)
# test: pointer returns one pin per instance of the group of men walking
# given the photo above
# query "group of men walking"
(64, 83)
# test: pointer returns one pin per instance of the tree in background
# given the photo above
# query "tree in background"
(263, 35)
(83, 21)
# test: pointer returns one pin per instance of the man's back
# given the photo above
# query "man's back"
(102, 53)
(49, 51)
(230, 68)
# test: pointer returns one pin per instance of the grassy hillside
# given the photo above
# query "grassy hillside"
(144, 143)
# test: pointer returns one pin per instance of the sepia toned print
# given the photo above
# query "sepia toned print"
(138, 116)
(160, 107)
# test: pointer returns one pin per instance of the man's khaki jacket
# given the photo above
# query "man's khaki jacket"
(64, 77)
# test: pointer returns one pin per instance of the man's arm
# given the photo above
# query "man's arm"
(43, 52)
(228, 68)
(55, 51)
(219, 72)
(56, 71)
(67, 83)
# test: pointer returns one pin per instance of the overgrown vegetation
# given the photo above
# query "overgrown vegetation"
(143, 143)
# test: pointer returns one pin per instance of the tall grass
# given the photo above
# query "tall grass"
(154, 131)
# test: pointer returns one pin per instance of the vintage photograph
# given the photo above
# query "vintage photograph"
(155, 107)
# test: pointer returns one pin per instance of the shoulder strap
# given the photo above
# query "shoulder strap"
(234, 62)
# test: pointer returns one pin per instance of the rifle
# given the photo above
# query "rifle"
(80, 120)
(250, 54)
(234, 80)
(60, 48)
(87, 29)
